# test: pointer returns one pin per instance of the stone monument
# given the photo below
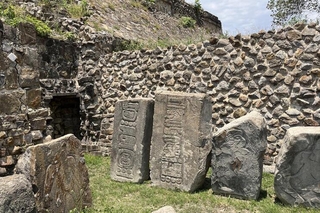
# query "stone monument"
(131, 140)
(297, 176)
(58, 175)
(237, 157)
(181, 140)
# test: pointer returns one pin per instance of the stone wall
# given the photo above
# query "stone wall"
(276, 72)
(43, 90)
(181, 8)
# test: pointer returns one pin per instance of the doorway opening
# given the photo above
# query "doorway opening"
(65, 113)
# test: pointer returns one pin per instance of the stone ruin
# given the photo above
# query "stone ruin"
(131, 140)
(181, 146)
(237, 157)
(49, 177)
(275, 72)
(181, 140)
(297, 176)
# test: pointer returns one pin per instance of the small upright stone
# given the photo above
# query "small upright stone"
(131, 140)
(237, 157)
(181, 140)
(297, 176)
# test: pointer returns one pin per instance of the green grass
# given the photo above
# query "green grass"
(116, 197)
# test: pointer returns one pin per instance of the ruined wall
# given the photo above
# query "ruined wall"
(181, 8)
(275, 72)
(41, 82)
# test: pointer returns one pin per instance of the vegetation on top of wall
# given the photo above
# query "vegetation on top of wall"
(78, 10)
(13, 15)
(187, 22)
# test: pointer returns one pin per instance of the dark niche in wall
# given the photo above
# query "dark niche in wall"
(65, 113)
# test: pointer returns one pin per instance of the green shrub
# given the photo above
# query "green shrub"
(187, 22)
(13, 15)
(78, 10)
(42, 28)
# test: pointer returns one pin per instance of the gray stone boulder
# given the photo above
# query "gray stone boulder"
(237, 157)
(131, 140)
(181, 140)
(16, 195)
(58, 175)
(297, 175)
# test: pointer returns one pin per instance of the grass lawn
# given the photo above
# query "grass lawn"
(116, 197)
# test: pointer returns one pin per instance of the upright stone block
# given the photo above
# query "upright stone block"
(58, 175)
(131, 140)
(237, 157)
(297, 176)
(181, 140)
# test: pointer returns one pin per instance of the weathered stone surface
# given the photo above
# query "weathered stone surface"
(297, 173)
(29, 78)
(16, 195)
(165, 209)
(58, 174)
(181, 140)
(131, 140)
(237, 157)
(10, 103)
(33, 98)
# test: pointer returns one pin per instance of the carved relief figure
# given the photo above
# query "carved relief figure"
(305, 169)
(127, 139)
(171, 161)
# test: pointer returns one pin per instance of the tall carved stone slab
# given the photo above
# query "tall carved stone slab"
(131, 140)
(237, 157)
(297, 176)
(181, 140)
(58, 175)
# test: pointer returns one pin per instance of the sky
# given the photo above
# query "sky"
(239, 16)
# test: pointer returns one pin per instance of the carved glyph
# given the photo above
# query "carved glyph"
(180, 140)
(131, 140)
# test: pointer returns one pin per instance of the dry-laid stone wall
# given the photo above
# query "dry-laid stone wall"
(43, 91)
(181, 8)
(274, 72)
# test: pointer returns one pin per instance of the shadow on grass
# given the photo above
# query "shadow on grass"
(263, 195)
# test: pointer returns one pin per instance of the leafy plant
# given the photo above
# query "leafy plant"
(78, 10)
(197, 7)
(187, 22)
(13, 15)
(284, 11)
(42, 28)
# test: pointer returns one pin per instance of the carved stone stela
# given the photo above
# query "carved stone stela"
(181, 140)
(131, 141)
(297, 176)
(237, 157)
(58, 174)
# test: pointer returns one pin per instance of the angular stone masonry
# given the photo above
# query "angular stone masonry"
(237, 157)
(274, 72)
(181, 142)
(131, 140)
(58, 175)
(297, 175)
